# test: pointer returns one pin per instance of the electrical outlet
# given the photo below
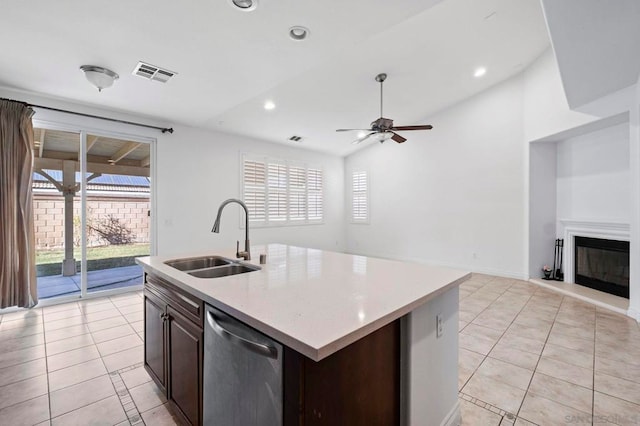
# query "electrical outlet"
(439, 326)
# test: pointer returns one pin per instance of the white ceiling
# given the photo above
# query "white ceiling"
(596, 44)
(229, 62)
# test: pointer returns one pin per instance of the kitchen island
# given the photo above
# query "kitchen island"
(323, 307)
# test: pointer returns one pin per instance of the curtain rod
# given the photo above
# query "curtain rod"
(162, 129)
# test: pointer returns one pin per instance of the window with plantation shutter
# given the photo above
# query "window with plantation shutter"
(254, 193)
(277, 190)
(315, 200)
(297, 193)
(359, 197)
(280, 192)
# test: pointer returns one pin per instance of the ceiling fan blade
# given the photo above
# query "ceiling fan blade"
(403, 128)
(357, 141)
(396, 137)
(353, 130)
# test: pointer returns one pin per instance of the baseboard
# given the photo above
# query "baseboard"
(571, 292)
(634, 313)
(453, 418)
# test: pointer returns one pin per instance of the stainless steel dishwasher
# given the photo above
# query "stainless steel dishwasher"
(242, 374)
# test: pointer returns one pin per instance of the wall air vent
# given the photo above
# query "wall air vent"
(151, 72)
(295, 138)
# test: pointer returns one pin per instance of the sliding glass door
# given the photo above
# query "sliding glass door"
(92, 203)
(117, 211)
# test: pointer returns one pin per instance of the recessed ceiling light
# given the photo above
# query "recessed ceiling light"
(479, 72)
(269, 105)
(298, 33)
(245, 5)
(361, 134)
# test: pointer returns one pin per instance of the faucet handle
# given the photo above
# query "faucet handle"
(237, 248)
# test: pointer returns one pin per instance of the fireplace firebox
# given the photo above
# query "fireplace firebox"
(602, 265)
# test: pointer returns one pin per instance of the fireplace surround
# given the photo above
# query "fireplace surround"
(589, 229)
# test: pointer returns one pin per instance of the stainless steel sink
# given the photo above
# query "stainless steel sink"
(223, 271)
(210, 266)
(194, 263)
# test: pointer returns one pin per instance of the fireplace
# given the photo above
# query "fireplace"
(602, 264)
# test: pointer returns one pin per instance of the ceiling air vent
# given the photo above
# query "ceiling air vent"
(151, 72)
(295, 138)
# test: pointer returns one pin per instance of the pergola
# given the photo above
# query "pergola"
(60, 150)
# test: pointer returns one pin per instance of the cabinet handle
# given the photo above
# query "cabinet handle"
(259, 348)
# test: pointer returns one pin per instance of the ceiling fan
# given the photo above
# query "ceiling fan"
(383, 128)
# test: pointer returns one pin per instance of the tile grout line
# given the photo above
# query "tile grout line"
(487, 406)
(126, 400)
(46, 362)
(503, 333)
(116, 380)
(486, 356)
(539, 358)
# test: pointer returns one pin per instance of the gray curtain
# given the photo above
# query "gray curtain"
(17, 240)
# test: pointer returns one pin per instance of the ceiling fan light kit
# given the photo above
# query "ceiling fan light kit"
(382, 128)
(100, 77)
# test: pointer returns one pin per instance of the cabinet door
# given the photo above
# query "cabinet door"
(185, 366)
(154, 331)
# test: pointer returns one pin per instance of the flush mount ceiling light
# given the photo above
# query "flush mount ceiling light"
(479, 72)
(244, 5)
(100, 77)
(298, 33)
(269, 105)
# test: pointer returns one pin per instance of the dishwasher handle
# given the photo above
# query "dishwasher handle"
(258, 348)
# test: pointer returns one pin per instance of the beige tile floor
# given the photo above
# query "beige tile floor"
(78, 363)
(527, 356)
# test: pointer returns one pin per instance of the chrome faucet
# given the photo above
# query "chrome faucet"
(246, 254)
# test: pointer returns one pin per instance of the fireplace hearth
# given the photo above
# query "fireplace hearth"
(602, 264)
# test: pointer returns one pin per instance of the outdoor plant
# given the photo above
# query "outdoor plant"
(112, 229)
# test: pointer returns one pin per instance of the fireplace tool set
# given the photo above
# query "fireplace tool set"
(556, 273)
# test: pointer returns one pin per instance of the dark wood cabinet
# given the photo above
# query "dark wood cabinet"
(174, 345)
(154, 338)
(358, 385)
(185, 366)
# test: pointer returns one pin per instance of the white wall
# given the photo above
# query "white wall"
(196, 170)
(546, 110)
(634, 153)
(453, 195)
(542, 207)
(593, 176)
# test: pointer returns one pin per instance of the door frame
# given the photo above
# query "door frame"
(83, 130)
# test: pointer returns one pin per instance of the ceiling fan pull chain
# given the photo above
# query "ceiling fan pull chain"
(381, 83)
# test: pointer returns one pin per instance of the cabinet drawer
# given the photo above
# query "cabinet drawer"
(189, 306)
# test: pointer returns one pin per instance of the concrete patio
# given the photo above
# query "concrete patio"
(105, 279)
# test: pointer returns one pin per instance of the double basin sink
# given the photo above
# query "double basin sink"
(211, 266)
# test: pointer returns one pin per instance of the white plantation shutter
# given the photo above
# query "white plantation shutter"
(278, 192)
(315, 203)
(277, 188)
(297, 193)
(254, 194)
(360, 197)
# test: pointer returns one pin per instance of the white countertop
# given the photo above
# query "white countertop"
(314, 301)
